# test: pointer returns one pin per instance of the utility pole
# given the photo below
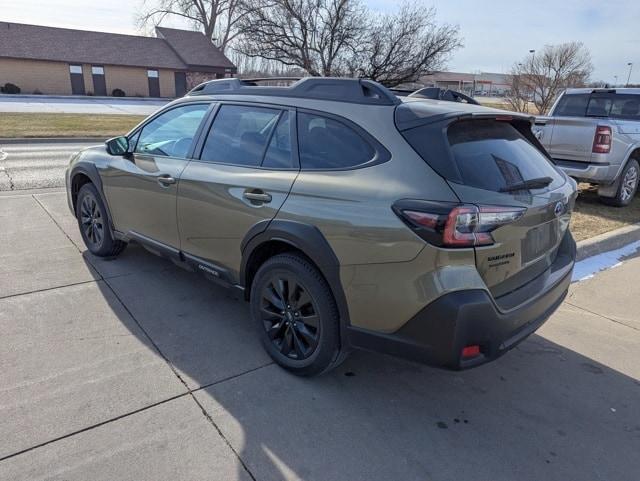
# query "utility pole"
(630, 64)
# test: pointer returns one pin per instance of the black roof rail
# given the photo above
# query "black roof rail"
(359, 91)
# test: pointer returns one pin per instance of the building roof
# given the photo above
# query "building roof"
(37, 42)
(193, 47)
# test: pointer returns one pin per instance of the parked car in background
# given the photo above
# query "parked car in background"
(594, 136)
(346, 216)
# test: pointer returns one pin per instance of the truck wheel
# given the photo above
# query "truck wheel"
(296, 315)
(94, 224)
(628, 186)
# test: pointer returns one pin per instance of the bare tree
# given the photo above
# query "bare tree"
(400, 48)
(315, 35)
(542, 77)
(519, 92)
(219, 20)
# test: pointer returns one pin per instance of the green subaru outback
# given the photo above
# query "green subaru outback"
(348, 217)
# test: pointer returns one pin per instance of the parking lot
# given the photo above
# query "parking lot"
(136, 369)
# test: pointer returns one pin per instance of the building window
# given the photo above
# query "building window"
(95, 70)
(75, 69)
(152, 73)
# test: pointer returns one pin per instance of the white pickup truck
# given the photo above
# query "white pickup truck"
(594, 136)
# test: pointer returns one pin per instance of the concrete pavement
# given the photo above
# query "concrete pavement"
(135, 369)
(36, 165)
(79, 105)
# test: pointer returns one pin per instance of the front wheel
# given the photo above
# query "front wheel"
(296, 315)
(628, 186)
(93, 222)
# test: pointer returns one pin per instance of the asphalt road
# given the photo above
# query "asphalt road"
(35, 165)
(135, 369)
(79, 105)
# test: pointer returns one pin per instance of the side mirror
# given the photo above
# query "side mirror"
(117, 145)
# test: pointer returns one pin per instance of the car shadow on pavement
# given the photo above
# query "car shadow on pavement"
(543, 411)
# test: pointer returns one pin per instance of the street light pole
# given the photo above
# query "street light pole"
(615, 80)
(630, 64)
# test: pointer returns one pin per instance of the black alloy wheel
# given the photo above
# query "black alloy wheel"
(94, 224)
(296, 316)
(91, 221)
(290, 316)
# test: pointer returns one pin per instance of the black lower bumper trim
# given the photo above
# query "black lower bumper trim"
(439, 332)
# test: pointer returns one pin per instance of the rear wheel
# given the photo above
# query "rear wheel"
(94, 224)
(296, 315)
(628, 185)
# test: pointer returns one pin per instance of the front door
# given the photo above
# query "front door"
(245, 172)
(77, 80)
(141, 189)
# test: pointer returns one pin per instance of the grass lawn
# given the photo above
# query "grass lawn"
(14, 125)
(591, 218)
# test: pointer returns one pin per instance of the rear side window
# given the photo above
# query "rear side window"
(494, 155)
(625, 107)
(326, 143)
(599, 105)
(278, 154)
(574, 105)
(240, 135)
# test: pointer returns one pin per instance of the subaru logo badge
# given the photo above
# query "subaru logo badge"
(559, 209)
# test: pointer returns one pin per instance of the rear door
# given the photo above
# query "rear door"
(245, 170)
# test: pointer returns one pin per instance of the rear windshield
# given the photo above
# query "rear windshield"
(494, 155)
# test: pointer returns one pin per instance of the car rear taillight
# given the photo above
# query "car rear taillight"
(450, 225)
(602, 140)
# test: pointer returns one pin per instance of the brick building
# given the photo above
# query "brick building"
(63, 61)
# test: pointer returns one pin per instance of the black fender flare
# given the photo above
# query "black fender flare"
(91, 171)
(308, 239)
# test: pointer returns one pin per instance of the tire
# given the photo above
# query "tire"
(628, 186)
(94, 224)
(296, 315)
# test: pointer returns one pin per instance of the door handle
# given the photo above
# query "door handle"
(257, 196)
(166, 180)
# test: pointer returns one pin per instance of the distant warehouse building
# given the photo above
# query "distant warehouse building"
(470, 83)
(62, 61)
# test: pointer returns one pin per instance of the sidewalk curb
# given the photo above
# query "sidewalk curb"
(50, 140)
(608, 241)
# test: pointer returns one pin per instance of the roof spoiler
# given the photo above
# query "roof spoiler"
(359, 91)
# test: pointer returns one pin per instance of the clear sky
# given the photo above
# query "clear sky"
(496, 33)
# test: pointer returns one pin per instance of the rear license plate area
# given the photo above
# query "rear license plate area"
(539, 240)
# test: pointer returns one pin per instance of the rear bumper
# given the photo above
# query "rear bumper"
(589, 172)
(439, 332)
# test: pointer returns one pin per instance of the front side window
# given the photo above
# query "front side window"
(329, 144)
(240, 135)
(172, 132)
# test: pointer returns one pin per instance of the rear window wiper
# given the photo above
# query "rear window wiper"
(537, 183)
